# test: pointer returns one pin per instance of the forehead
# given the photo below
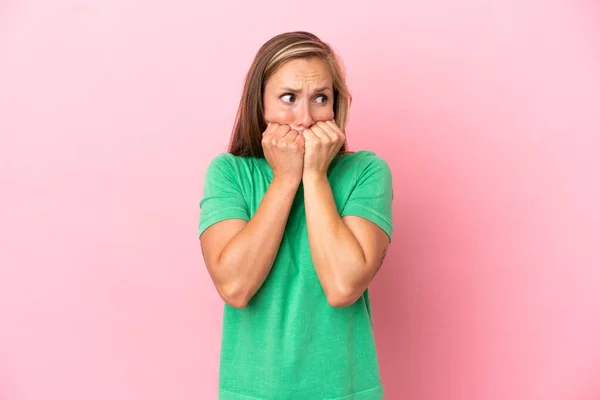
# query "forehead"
(313, 70)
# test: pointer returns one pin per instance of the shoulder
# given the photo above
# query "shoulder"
(364, 161)
(222, 167)
(225, 161)
(236, 169)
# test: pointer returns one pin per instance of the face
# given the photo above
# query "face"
(299, 94)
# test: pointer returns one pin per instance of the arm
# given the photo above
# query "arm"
(347, 252)
(239, 254)
(239, 251)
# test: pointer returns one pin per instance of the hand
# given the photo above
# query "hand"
(323, 141)
(284, 151)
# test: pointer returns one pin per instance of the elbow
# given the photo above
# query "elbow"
(340, 298)
(232, 290)
(340, 302)
(343, 291)
(235, 302)
(234, 296)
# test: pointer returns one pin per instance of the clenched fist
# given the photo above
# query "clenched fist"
(284, 151)
(323, 141)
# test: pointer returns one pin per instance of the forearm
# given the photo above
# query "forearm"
(337, 256)
(248, 257)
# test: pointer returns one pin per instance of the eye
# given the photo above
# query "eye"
(288, 98)
(323, 99)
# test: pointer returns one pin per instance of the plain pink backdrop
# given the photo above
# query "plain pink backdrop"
(487, 111)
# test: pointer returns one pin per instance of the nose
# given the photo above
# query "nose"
(304, 118)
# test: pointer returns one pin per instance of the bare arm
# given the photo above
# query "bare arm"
(239, 254)
(347, 252)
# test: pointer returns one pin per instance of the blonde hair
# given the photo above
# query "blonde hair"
(250, 123)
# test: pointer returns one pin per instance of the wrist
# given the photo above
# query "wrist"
(314, 177)
(286, 183)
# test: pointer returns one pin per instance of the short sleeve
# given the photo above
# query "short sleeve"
(222, 197)
(373, 193)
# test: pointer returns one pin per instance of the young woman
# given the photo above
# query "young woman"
(293, 228)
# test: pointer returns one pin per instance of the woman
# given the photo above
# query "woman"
(293, 228)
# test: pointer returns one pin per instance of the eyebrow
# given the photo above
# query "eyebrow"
(321, 89)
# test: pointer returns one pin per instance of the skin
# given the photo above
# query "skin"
(299, 143)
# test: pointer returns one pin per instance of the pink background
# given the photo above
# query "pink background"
(488, 112)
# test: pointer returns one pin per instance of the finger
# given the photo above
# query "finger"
(271, 127)
(309, 136)
(294, 140)
(335, 128)
(328, 130)
(320, 133)
(332, 124)
(291, 136)
(282, 130)
(300, 140)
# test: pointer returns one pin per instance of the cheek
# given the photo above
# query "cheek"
(280, 115)
(323, 114)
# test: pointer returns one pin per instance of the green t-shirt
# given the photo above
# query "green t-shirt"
(288, 342)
